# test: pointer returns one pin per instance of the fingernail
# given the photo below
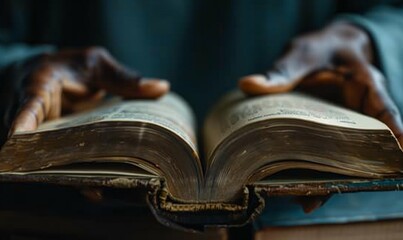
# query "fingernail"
(153, 81)
(152, 87)
(255, 79)
(155, 85)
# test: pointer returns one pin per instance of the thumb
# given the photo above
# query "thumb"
(151, 88)
(288, 72)
(148, 88)
(117, 79)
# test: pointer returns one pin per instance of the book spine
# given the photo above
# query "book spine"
(196, 216)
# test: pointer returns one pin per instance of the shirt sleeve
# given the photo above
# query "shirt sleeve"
(17, 52)
(385, 26)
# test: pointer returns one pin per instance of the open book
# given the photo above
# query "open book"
(246, 140)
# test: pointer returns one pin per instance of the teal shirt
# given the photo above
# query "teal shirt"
(201, 47)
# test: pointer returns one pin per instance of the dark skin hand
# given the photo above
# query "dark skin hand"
(337, 64)
(70, 80)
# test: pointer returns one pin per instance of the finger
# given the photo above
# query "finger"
(311, 203)
(275, 82)
(324, 84)
(258, 84)
(55, 102)
(134, 88)
(30, 116)
(366, 92)
(301, 60)
(115, 78)
(380, 105)
(94, 195)
(72, 104)
(151, 88)
(43, 100)
(74, 86)
(324, 77)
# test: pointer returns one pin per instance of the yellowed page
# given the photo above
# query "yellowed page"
(235, 111)
(91, 169)
(170, 112)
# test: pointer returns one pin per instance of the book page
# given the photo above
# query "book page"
(235, 111)
(91, 169)
(170, 112)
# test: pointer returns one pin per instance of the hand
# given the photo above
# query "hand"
(335, 63)
(63, 81)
